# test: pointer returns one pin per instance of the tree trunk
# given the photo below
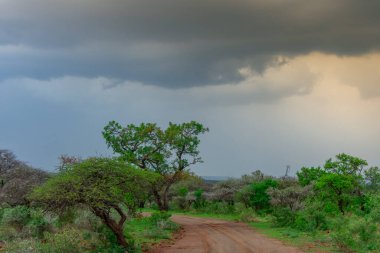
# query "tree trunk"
(165, 206)
(117, 228)
(341, 205)
(118, 231)
(158, 200)
(165, 196)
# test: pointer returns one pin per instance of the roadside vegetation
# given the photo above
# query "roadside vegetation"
(93, 204)
(334, 207)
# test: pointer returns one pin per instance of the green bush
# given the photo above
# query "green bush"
(355, 234)
(108, 242)
(372, 207)
(87, 220)
(66, 217)
(283, 217)
(310, 220)
(66, 241)
(247, 215)
(159, 216)
(38, 225)
(199, 199)
(22, 246)
(16, 217)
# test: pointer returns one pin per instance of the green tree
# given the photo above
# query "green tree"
(345, 165)
(168, 152)
(308, 175)
(347, 168)
(372, 177)
(259, 198)
(105, 186)
(338, 189)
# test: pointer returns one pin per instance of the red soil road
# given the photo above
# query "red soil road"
(202, 235)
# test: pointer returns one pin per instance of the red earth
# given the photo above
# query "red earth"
(203, 235)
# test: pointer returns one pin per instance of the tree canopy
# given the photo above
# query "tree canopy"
(168, 152)
(101, 184)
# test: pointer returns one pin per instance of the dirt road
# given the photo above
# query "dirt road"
(202, 235)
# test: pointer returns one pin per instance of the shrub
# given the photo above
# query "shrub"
(283, 217)
(199, 199)
(259, 198)
(218, 208)
(16, 217)
(66, 241)
(355, 234)
(311, 220)
(247, 215)
(66, 217)
(38, 225)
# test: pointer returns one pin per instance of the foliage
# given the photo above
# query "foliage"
(199, 199)
(308, 175)
(259, 198)
(18, 182)
(100, 184)
(356, 234)
(8, 161)
(311, 219)
(225, 190)
(217, 208)
(345, 165)
(337, 189)
(254, 177)
(291, 197)
(16, 217)
(65, 241)
(17, 179)
(168, 152)
(182, 192)
(283, 216)
(66, 162)
(149, 230)
(372, 177)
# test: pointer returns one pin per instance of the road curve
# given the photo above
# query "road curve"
(201, 235)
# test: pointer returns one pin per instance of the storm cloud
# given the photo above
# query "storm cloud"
(176, 43)
(277, 82)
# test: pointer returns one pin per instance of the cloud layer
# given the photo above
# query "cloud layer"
(176, 43)
(254, 124)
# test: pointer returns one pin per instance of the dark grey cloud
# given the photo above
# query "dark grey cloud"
(176, 43)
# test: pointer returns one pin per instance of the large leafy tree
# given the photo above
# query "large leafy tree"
(168, 152)
(345, 164)
(342, 181)
(338, 189)
(306, 176)
(105, 186)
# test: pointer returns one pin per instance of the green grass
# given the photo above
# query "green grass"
(147, 232)
(317, 242)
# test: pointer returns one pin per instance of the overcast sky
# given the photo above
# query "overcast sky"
(278, 83)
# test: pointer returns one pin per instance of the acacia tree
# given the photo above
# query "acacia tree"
(341, 180)
(168, 152)
(101, 184)
(17, 179)
(8, 161)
